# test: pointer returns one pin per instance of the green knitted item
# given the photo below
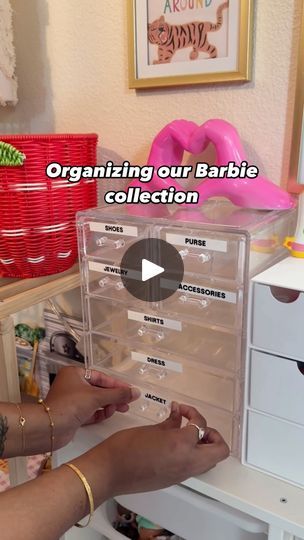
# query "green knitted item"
(10, 156)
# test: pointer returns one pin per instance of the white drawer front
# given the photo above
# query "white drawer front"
(278, 320)
(277, 386)
(276, 447)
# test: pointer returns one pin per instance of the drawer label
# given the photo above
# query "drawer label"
(196, 290)
(113, 228)
(215, 294)
(197, 242)
(156, 399)
(113, 270)
(158, 321)
(157, 362)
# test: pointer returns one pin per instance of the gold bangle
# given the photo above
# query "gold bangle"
(21, 422)
(89, 493)
(52, 425)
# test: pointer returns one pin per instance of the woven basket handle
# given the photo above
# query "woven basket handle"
(10, 156)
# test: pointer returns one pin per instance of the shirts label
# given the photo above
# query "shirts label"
(157, 362)
(157, 321)
(197, 242)
(113, 228)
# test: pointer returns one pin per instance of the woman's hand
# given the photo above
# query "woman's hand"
(154, 457)
(75, 401)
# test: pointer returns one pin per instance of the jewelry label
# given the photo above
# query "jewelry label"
(197, 242)
(157, 362)
(113, 228)
(113, 270)
(157, 321)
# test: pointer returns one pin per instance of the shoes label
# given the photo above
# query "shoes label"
(113, 228)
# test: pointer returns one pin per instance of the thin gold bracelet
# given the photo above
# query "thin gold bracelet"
(21, 422)
(89, 493)
(52, 425)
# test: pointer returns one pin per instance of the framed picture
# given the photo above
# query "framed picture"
(181, 42)
(296, 165)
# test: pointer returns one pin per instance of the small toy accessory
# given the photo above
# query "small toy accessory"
(168, 149)
(295, 243)
(21, 423)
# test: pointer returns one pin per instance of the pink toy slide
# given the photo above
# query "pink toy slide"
(181, 135)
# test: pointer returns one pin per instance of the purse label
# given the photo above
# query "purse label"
(197, 242)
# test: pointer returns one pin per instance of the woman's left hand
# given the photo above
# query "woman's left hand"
(75, 401)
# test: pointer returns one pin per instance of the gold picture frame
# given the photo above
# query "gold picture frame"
(295, 183)
(243, 70)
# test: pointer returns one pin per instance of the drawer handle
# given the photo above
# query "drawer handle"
(200, 302)
(301, 367)
(107, 283)
(200, 257)
(144, 331)
(159, 373)
(115, 244)
(286, 296)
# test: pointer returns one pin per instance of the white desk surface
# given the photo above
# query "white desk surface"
(232, 483)
(288, 273)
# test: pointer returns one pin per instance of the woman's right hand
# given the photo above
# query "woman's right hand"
(154, 457)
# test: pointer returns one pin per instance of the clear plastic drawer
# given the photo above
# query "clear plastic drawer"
(208, 253)
(170, 373)
(168, 334)
(109, 238)
(210, 301)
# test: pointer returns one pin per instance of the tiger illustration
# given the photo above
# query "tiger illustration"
(170, 38)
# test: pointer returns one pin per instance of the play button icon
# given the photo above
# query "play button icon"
(151, 270)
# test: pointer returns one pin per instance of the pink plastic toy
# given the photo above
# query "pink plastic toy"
(168, 149)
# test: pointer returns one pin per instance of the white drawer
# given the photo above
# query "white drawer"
(170, 373)
(277, 386)
(277, 324)
(276, 447)
(167, 333)
(190, 516)
(206, 252)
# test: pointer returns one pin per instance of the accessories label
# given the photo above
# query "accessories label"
(193, 289)
(157, 362)
(197, 242)
(113, 228)
(158, 321)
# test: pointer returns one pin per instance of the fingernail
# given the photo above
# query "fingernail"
(135, 393)
(174, 407)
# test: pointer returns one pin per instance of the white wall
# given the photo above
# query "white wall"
(72, 66)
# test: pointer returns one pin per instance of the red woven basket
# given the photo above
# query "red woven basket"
(37, 214)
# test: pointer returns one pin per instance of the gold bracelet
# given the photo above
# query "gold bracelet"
(52, 425)
(89, 493)
(21, 422)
